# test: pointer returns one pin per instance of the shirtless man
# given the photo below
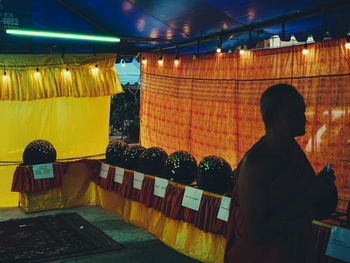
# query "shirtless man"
(276, 189)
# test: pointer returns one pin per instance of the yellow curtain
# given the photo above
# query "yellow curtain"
(30, 77)
(211, 105)
(41, 99)
(75, 126)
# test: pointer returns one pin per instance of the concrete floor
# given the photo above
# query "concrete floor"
(140, 246)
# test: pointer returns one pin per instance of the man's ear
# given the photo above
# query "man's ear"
(269, 117)
(274, 117)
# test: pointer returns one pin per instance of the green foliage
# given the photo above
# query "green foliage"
(125, 109)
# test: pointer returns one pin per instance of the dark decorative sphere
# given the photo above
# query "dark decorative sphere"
(132, 155)
(114, 152)
(38, 152)
(214, 175)
(152, 161)
(181, 167)
(326, 207)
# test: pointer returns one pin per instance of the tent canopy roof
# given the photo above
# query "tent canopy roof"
(166, 25)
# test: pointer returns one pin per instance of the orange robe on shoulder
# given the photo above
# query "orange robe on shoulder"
(282, 248)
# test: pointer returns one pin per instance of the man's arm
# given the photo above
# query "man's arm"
(253, 181)
(255, 176)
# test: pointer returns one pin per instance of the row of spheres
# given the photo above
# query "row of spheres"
(213, 173)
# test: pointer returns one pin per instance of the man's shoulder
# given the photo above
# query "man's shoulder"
(258, 156)
(258, 164)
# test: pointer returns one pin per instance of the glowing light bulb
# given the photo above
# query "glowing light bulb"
(160, 61)
(144, 61)
(95, 70)
(305, 50)
(66, 73)
(241, 51)
(347, 44)
(218, 50)
(4, 77)
(176, 61)
(123, 63)
(37, 73)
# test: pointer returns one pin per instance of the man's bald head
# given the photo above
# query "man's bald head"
(276, 99)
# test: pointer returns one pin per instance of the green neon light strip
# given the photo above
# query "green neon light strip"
(61, 35)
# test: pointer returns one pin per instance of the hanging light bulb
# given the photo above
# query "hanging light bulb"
(219, 47)
(66, 72)
(37, 73)
(144, 61)
(305, 50)
(123, 63)
(4, 77)
(160, 61)
(95, 70)
(347, 44)
(242, 51)
(176, 61)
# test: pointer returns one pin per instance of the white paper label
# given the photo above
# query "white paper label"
(138, 180)
(160, 186)
(43, 171)
(119, 175)
(104, 170)
(224, 208)
(339, 244)
(192, 198)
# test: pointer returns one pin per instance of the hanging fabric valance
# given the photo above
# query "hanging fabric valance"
(30, 77)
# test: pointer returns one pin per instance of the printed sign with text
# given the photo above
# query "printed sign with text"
(339, 243)
(192, 198)
(224, 208)
(138, 180)
(160, 186)
(43, 171)
(119, 175)
(104, 170)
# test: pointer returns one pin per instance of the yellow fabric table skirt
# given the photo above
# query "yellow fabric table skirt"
(179, 235)
(76, 190)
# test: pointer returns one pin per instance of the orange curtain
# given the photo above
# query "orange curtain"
(210, 105)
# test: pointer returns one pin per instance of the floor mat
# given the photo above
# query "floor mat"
(44, 238)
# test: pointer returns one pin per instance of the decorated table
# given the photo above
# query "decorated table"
(187, 219)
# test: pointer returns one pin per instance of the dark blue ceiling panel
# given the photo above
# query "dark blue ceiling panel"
(190, 18)
(253, 11)
(53, 16)
(122, 18)
(148, 25)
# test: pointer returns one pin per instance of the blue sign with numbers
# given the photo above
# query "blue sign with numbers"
(15, 13)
